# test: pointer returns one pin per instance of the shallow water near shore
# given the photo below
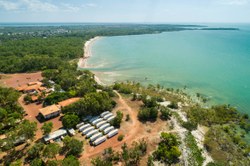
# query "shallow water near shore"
(213, 63)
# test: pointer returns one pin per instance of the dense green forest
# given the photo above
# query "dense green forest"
(26, 49)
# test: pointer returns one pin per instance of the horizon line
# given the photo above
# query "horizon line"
(29, 22)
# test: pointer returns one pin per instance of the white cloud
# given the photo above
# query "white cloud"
(7, 5)
(69, 7)
(37, 5)
(41, 6)
(91, 5)
(234, 2)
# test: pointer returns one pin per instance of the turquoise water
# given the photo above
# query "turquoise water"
(213, 63)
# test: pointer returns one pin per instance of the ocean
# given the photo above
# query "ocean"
(213, 63)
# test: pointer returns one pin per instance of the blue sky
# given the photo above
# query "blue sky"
(155, 11)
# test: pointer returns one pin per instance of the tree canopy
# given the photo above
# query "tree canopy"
(167, 151)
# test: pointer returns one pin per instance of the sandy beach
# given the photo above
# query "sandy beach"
(87, 52)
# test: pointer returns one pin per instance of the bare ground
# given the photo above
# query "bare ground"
(15, 80)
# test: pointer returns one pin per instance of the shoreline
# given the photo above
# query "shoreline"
(82, 63)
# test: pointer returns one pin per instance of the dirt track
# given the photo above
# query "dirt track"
(113, 142)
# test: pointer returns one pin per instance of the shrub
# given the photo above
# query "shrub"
(173, 105)
(120, 137)
(189, 125)
(165, 114)
(118, 119)
(148, 114)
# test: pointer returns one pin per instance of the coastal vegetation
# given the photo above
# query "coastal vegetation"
(128, 155)
(167, 151)
(54, 54)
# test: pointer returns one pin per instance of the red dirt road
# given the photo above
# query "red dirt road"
(113, 142)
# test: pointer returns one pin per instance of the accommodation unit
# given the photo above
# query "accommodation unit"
(97, 121)
(55, 135)
(93, 132)
(93, 119)
(84, 127)
(107, 116)
(103, 127)
(112, 133)
(111, 118)
(35, 83)
(87, 130)
(104, 113)
(31, 87)
(107, 130)
(79, 125)
(99, 140)
(94, 137)
(67, 102)
(100, 124)
(50, 111)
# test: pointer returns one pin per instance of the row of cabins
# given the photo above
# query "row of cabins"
(98, 130)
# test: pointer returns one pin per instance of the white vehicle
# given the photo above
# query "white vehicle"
(100, 124)
(104, 113)
(88, 130)
(104, 126)
(84, 127)
(97, 121)
(107, 116)
(108, 129)
(94, 137)
(99, 140)
(92, 133)
(112, 133)
(79, 125)
(111, 118)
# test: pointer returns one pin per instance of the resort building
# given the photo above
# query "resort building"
(32, 87)
(68, 102)
(55, 135)
(50, 111)
(35, 83)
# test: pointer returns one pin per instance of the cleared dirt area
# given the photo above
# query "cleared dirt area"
(32, 111)
(133, 130)
(15, 80)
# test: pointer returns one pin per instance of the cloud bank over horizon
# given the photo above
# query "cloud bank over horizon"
(124, 11)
